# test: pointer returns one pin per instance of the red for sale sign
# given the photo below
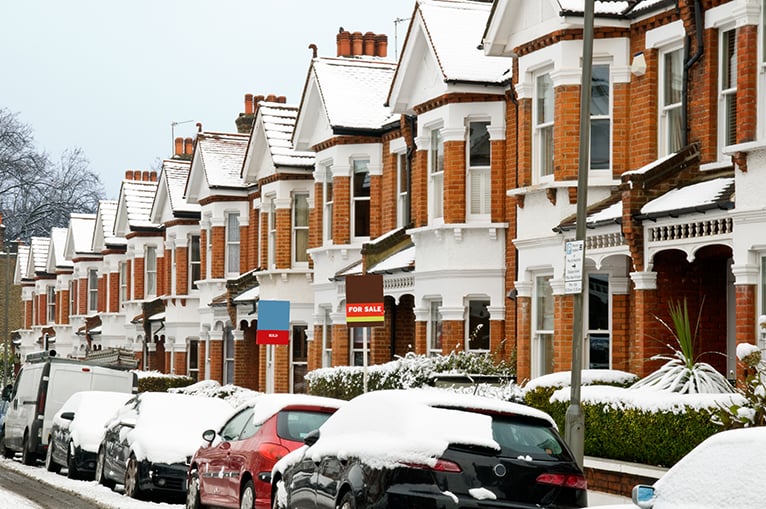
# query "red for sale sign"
(364, 301)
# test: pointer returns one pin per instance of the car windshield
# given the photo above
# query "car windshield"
(518, 437)
(296, 424)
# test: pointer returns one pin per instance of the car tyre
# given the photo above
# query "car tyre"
(347, 501)
(72, 471)
(131, 479)
(193, 500)
(247, 496)
(27, 456)
(101, 470)
(275, 495)
(50, 465)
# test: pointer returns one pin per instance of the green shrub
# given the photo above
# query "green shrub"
(162, 383)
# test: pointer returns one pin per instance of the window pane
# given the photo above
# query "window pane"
(362, 218)
(598, 302)
(544, 99)
(546, 150)
(673, 77)
(544, 295)
(729, 60)
(361, 178)
(599, 100)
(479, 152)
(437, 151)
(435, 326)
(301, 210)
(598, 351)
(478, 325)
(599, 144)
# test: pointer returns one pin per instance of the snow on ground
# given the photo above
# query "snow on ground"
(10, 499)
(107, 498)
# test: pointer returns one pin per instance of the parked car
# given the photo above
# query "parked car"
(728, 470)
(149, 442)
(431, 448)
(43, 384)
(78, 429)
(233, 469)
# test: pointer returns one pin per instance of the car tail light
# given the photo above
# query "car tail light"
(574, 481)
(441, 465)
(272, 452)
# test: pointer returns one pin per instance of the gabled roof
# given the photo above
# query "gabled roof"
(169, 199)
(79, 241)
(270, 147)
(134, 206)
(55, 258)
(22, 258)
(103, 234)
(216, 163)
(516, 22)
(38, 249)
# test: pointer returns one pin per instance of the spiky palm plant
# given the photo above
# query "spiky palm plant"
(682, 373)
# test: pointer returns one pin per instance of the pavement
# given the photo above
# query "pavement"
(597, 498)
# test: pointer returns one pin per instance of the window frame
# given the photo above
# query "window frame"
(360, 201)
(482, 173)
(72, 297)
(194, 265)
(358, 346)
(327, 204)
(727, 95)
(326, 338)
(543, 131)
(232, 247)
(271, 229)
(229, 351)
(192, 368)
(122, 283)
(300, 256)
(436, 174)
(589, 330)
(150, 271)
(298, 364)
(543, 325)
(472, 333)
(92, 290)
(403, 172)
(601, 118)
(668, 111)
(434, 334)
(50, 302)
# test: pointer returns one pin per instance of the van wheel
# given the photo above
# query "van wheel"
(131, 479)
(27, 456)
(50, 465)
(7, 451)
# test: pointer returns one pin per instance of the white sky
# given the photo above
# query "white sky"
(111, 77)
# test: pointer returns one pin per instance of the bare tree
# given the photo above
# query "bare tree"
(36, 192)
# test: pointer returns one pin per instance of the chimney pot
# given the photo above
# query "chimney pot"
(381, 45)
(282, 99)
(153, 176)
(179, 146)
(369, 44)
(145, 176)
(343, 40)
(271, 98)
(136, 174)
(356, 44)
(128, 174)
(248, 104)
(188, 146)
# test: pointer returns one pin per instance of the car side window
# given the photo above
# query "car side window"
(233, 429)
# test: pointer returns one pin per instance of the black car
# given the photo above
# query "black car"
(431, 449)
(149, 442)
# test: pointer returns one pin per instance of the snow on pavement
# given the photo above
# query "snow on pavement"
(91, 490)
(10, 499)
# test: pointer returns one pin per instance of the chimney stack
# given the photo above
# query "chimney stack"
(343, 40)
(179, 146)
(368, 40)
(357, 45)
(188, 146)
(248, 104)
(381, 45)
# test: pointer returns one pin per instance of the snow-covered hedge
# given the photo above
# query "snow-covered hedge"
(638, 425)
(346, 382)
(156, 381)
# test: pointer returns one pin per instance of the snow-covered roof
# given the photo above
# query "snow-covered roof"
(176, 172)
(354, 90)
(612, 213)
(267, 405)
(38, 248)
(715, 193)
(248, 295)
(222, 155)
(138, 196)
(22, 258)
(278, 125)
(105, 219)
(56, 254)
(403, 259)
(621, 8)
(80, 236)
(454, 29)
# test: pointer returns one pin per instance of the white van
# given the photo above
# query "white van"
(42, 386)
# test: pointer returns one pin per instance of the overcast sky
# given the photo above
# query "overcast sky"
(111, 77)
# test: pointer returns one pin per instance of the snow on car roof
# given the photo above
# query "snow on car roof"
(388, 428)
(726, 470)
(91, 410)
(267, 405)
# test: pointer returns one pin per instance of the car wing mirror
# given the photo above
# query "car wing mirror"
(67, 416)
(643, 496)
(208, 435)
(311, 438)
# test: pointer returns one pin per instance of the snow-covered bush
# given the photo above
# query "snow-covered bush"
(156, 381)
(751, 412)
(412, 370)
(682, 373)
(233, 394)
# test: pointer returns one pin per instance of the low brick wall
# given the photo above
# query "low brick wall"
(618, 477)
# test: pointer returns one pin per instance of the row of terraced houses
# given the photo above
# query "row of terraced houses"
(451, 172)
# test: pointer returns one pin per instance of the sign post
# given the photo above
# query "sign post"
(365, 307)
(273, 329)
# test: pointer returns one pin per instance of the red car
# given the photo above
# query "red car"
(234, 468)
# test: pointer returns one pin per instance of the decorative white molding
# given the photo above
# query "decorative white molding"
(523, 288)
(644, 280)
(745, 274)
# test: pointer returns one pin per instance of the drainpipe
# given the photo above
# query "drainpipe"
(688, 63)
